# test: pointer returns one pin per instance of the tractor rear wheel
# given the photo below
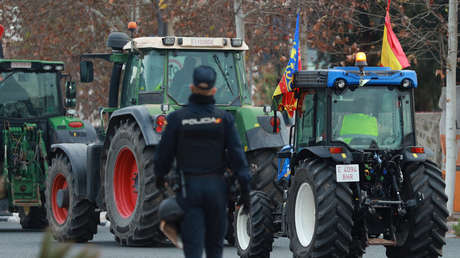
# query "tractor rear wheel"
(34, 219)
(131, 196)
(264, 169)
(428, 221)
(70, 217)
(319, 212)
(254, 231)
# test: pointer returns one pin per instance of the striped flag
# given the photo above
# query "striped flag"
(392, 53)
(283, 97)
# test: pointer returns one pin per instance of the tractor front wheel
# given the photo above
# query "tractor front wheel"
(254, 231)
(70, 217)
(264, 169)
(319, 212)
(131, 196)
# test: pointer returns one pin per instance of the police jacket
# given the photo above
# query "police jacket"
(203, 140)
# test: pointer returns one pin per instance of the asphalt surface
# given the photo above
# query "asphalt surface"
(17, 243)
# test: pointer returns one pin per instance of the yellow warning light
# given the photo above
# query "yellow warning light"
(361, 59)
(132, 25)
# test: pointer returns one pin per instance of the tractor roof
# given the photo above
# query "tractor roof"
(352, 76)
(172, 42)
(42, 65)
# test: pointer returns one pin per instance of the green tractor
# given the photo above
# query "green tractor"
(353, 174)
(117, 174)
(33, 117)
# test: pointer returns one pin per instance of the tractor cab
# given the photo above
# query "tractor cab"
(30, 89)
(362, 108)
(161, 71)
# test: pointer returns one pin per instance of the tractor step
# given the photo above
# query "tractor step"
(381, 241)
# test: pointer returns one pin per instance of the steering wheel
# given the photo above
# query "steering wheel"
(362, 140)
(30, 108)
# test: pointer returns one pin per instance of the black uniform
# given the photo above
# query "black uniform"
(197, 136)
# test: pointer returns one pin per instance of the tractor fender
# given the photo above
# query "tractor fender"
(87, 134)
(323, 152)
(262, 137)
(76, 154)
(143, 119)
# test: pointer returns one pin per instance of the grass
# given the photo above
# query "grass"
(457, 228)
(49, 249)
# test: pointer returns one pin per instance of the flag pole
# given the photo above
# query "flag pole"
(451, 105)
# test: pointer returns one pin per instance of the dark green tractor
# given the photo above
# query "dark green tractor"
(150, 78)
(353, 175)
(33, 117)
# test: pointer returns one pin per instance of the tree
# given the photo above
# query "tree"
(335, 29)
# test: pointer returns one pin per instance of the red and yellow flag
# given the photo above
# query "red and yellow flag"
(288, 102)
(392, 53)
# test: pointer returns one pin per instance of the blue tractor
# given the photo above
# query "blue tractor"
(353, 174)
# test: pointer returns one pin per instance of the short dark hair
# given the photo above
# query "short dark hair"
(204, 77)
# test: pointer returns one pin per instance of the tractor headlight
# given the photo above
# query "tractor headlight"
(168, 41)
(406, 83)
(47, 67)
(236, 42)
(340, 83)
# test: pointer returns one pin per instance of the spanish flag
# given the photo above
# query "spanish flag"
(287, 100)
(1, 35)
(392, 53)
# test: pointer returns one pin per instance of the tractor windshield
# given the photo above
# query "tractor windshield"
(28, 94)
(372, 117)
(225, 63)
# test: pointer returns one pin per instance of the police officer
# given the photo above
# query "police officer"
(203, 140)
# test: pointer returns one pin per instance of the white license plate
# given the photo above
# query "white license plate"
(347, 173)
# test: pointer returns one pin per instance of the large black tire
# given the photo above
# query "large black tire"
(230, 235)
(428, 221)
(264, 169)
(34, 219)
(254, 232)
(131, 196)
(319, 213)
(78, 222)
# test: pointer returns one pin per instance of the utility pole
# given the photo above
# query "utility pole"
(451, 105)
(239, 18)
(239, 26)
(162, 25)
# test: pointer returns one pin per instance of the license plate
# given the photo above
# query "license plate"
(347, 173)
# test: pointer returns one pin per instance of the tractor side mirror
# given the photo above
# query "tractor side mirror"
(86, 71)
(70, 94)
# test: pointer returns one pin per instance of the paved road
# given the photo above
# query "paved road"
(16, 243)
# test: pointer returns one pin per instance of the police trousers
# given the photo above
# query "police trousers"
(205, 220)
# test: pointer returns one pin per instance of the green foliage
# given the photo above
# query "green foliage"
(457, 228)
(49, 249)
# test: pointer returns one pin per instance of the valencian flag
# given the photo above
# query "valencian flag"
(287, 100)
(392, 53)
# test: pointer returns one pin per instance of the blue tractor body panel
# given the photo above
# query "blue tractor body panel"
(371, 76)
